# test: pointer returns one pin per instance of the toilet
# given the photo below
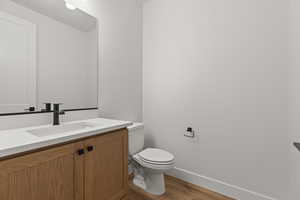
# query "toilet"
(154, 162)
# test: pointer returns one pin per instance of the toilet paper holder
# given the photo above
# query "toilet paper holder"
(297, 145)
(190, 133)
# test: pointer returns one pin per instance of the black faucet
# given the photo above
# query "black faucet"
(56, 113)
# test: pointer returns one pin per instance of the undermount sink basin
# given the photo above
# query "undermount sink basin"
(42, 132)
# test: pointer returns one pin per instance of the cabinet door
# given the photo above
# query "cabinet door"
(46, 175)
(106, 166)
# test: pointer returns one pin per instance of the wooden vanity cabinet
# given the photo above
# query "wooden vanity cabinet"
(91, 169)
(47, 175)
(106, 167)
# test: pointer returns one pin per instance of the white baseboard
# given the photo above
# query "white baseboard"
(217, 185)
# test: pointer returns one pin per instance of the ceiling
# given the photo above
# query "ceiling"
(57, 10)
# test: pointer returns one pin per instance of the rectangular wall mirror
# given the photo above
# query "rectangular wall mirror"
(48, 53)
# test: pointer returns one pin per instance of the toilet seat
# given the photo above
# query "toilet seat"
(154, 166)
(156, 163)
(155, 159)
(156, 156)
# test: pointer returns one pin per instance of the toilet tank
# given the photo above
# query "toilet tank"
(136, 138)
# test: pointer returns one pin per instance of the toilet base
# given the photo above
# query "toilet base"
(139, 181)
(153, 182)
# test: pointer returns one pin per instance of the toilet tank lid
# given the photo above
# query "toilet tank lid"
(135, 126)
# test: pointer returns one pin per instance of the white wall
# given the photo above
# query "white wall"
(120, 57)
(295, 99)
(220, 67)
(120, 63)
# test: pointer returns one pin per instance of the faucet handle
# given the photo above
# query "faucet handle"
(47, 107)
(30, 109)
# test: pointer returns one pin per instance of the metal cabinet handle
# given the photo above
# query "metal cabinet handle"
(90, 148)
(80, 152)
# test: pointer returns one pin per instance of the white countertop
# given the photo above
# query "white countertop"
(16, 141)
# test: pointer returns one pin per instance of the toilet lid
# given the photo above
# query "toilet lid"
(156, 155)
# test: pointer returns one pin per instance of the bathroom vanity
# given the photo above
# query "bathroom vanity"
(49, 55)
(87, 163)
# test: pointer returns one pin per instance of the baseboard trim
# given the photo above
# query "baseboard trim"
(217, 185)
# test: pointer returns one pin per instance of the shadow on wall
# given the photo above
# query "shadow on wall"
(149, 139)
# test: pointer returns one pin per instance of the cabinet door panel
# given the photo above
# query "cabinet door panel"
(47, 175)
(106, 167)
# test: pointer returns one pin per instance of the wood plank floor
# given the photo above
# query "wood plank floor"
(176, 190)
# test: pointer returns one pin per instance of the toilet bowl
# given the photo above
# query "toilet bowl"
(154, 162)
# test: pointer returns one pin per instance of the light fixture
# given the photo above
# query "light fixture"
(70, 4)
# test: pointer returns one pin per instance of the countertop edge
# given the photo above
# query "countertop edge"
(48, 143)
